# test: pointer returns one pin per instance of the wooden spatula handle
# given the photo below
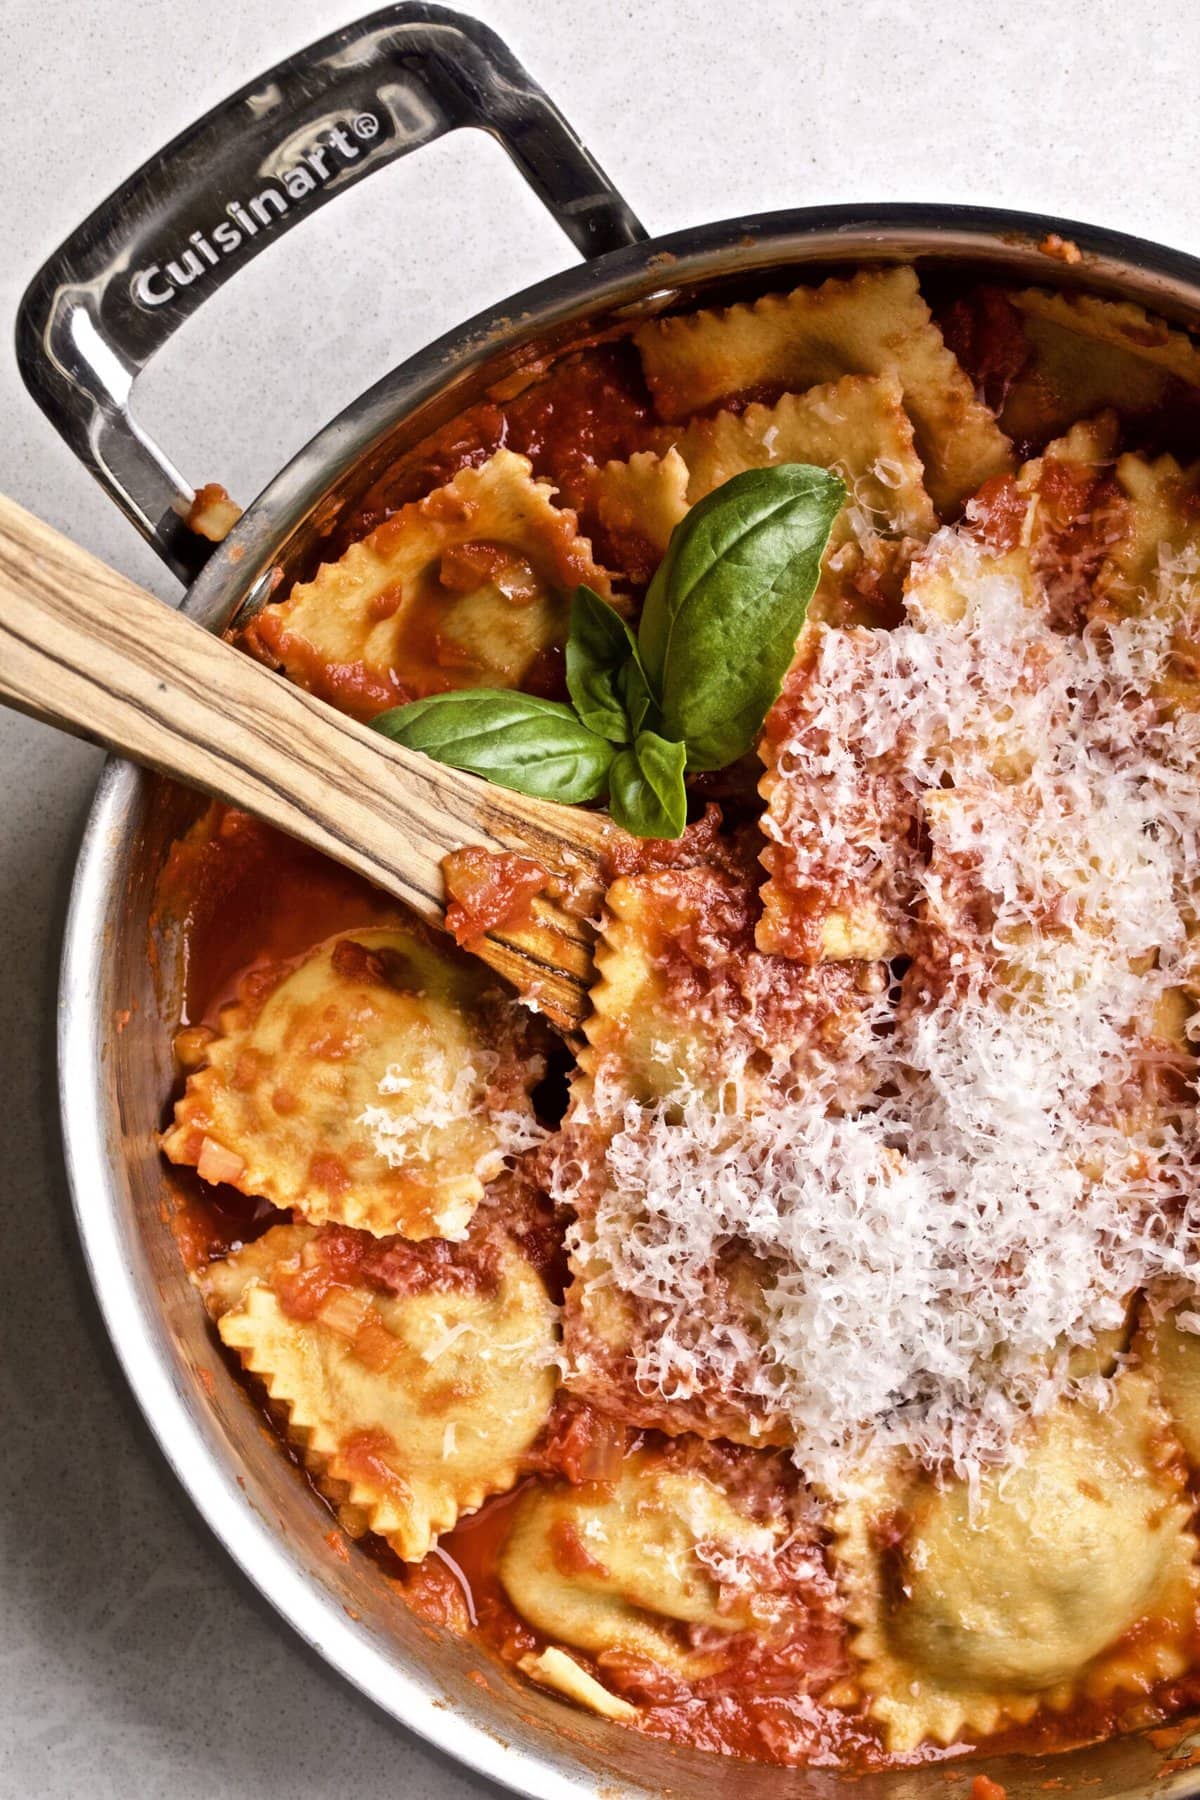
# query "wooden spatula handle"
(88, 650)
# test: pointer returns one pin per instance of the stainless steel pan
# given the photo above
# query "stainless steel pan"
(90, 321)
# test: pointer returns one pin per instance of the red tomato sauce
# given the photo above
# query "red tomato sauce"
(593, 407)
(489, 889)
(984, 331)
(245, 896)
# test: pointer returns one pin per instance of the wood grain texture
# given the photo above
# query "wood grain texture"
(85, 649)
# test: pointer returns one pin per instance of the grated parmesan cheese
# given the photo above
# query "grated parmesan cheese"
(926, 1261)
(448, 1336)
(437, 1099)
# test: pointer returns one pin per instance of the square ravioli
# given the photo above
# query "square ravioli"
(380, 1081)
(469, 587)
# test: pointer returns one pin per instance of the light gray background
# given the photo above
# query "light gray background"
(134, 1661)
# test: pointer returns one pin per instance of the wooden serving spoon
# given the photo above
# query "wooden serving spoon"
(85, 649)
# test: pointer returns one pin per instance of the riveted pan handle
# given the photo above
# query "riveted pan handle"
(232, 183)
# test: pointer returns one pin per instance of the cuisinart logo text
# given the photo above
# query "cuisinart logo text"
(159, 284)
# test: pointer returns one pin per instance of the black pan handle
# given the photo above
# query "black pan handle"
(231, 184)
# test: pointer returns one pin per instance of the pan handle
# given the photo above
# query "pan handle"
(234, 182)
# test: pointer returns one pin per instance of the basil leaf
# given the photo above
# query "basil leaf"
(723, 612)
(646, 794)
(598, 647)
(518, 741)
(638, 701)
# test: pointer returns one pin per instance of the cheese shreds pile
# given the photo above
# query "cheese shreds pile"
(1024, 1163)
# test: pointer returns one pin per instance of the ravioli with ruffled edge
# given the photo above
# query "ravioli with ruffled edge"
(1084, 353)
(684, 999)
(873, 323)
(465, 588)
(973, 1613)
(856, 426)
(380, 1081)
(678, 1565)
(409, 1408)
(839, 874)
(685, 1007)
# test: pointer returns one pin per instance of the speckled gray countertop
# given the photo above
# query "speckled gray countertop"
(134, 1660)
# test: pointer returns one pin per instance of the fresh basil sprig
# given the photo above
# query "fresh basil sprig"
(646, 793)
(725, 608)
(539, 747)
(601, 654)
(690, 691)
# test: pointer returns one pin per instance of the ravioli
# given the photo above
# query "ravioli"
(845, 834)
(410, 1408)
(1086, 353)
(1176, 1354)
(662, 1565)
(379, 1082)
(857, 426)
(1161, 519)
(684, 1001)
(1152, 569)
(639, 503)
(223, 1283)
(973, 1617)
(607, 1334)
(688, 1013)
(839, 875)
(874, 323)
(1049, 528)
(465, 588)
(634, 1034)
